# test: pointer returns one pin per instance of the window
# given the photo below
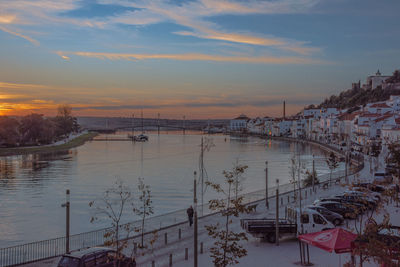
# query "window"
(305, 218)
(68, 262)
(90, 260)
(102, 258)
(318, 219)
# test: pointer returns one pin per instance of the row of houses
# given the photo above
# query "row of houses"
(373, 123)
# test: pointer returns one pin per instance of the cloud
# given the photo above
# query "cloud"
(217, 102)
(31, 40)
(194, 15)
(195, 57)
(21, 85)
(7, 18)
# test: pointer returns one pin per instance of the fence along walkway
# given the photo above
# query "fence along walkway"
(45, 249)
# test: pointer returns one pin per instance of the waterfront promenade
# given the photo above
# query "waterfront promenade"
(174, 235)
(286, 254)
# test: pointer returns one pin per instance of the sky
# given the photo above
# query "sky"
(195, 58)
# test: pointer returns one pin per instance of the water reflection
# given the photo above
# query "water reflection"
(33, 186)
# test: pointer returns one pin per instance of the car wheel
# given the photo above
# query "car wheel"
(337, 222)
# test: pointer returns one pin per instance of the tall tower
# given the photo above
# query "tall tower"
(284, 109)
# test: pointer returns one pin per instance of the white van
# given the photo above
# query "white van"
(310, 221)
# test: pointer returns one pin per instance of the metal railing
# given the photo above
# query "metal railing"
(40, 250)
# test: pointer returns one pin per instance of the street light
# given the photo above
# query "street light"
(67, 206)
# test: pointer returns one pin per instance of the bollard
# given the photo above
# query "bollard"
(135, 248)
(180, 234)
(153, 264)
(166, 238)
(186, 254)
(170, 260)
(201, 248)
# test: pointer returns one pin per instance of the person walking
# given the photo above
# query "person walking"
(190, 213)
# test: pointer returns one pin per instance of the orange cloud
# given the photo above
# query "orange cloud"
(196, 57)
(7, 19)
(31, 40)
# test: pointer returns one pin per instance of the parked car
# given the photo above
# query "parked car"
(96, 257)
(390, 168)
(382, 177)
(358, 206)
(346, 210)
(359, 198)
(373, 187)
(331, 216)
(367, 192)
(362, 201)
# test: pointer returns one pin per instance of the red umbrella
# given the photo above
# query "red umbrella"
(336, 239)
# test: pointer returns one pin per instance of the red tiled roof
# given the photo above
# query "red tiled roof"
(384, 117)
(369, 115)
(348, 117)
(380, 105)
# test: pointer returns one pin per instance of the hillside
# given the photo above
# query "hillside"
(360, 96)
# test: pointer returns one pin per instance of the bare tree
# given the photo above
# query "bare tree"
(310, 176)
(333, 162)
(112, 206)
(64, 120)
(9, 134)
(146, 206)
(293, 168)
(205, 146)
(227, 249)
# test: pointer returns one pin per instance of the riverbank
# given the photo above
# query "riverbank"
(59, 146)
(172, 222)
(170, 243)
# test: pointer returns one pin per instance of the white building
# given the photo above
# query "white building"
(314, 112)
(379, 108)
(376, 80)
(256, 126)
(239, 124)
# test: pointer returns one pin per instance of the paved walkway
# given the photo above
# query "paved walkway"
(169, 242)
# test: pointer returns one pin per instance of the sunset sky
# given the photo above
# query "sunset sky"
(199, 58)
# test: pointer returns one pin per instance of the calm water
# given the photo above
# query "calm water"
(32, 187)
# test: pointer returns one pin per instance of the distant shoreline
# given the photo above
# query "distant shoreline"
(78, 141)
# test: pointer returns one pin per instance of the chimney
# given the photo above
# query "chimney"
(284, 109)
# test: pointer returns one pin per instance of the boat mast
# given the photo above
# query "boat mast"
(142, 122)
(133, 125)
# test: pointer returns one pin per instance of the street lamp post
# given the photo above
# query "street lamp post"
(67, 206)
(195, 250)
(277, 214)
(266, 185)
(313, 174)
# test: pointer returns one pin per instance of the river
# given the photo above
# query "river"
(32, 187)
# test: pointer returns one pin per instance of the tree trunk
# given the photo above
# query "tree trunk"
(227, 225)
(144, 215)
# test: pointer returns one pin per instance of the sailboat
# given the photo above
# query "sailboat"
(141, 137)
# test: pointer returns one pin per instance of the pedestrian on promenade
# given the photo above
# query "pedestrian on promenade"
(190, 213)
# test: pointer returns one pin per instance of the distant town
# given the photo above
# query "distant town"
(359, 127)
